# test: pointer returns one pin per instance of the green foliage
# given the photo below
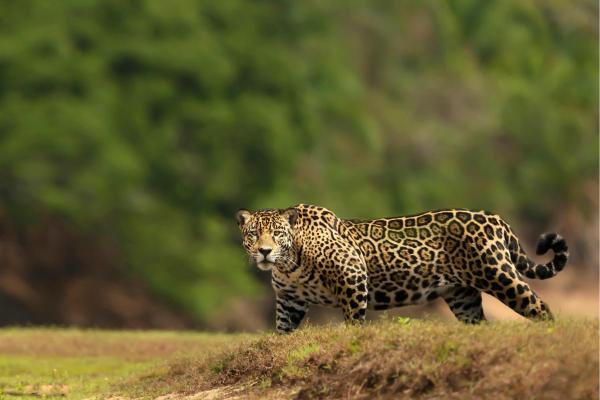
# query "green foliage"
(445, 350)
(302, 353)
(402, 320)
(151, 122)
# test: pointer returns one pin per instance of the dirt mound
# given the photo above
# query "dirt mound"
(400, 359)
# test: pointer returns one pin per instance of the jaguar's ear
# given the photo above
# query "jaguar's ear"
(291, 214)
(242, 216)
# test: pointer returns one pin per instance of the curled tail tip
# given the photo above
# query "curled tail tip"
(547, 241)
(544, 243)
(552, 241)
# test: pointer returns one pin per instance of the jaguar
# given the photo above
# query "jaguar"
(318, 258)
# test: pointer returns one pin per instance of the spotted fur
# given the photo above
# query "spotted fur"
(317, 258)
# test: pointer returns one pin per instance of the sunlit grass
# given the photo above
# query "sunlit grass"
(82, 363)
(77, 377)
(405, 358)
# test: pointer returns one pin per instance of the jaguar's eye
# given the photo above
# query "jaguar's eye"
(252, 236)
(278, 234)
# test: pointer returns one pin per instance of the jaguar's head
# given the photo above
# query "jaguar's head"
(268, 237)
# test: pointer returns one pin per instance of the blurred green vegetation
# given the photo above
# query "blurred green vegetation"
(151, 122)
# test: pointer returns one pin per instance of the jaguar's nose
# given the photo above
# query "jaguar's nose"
(264, 251)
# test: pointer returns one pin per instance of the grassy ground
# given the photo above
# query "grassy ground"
(396, 359)
(77, 364)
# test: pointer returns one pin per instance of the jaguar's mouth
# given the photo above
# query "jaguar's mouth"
(268, 259)
(265, 265)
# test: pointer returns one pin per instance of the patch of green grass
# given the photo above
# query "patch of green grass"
(265, 383)
(354, 346)
(302, 353)
(77, 377)
(445, 350)
(84, 363)
(222, 362)
(402, 320)
(294, 367)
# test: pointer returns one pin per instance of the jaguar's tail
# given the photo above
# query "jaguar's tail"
(547, 241)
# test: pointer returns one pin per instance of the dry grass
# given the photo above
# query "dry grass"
(124, 345)
(402, 358)
(399, 359)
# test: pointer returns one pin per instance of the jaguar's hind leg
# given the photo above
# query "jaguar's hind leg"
(504, 283)
(465, 303)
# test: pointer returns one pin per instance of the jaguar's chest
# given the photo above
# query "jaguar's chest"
(310, 287)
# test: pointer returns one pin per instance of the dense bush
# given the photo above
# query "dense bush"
(152, 121)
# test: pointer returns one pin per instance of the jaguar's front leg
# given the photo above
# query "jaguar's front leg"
(353, 297)
(289, 313)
